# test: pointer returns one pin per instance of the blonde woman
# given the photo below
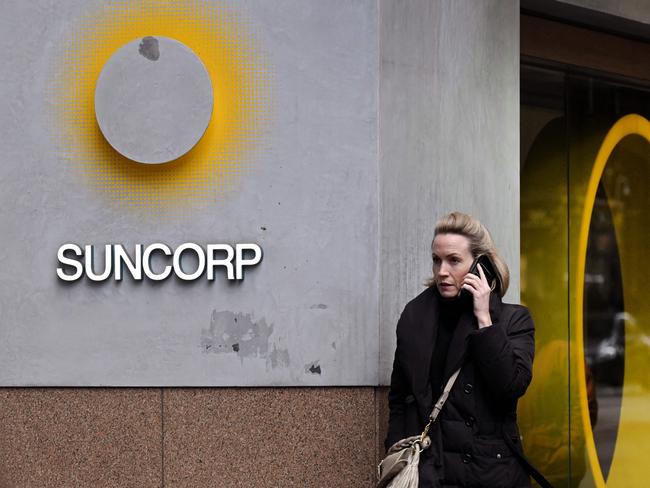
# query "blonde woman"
(460, 321)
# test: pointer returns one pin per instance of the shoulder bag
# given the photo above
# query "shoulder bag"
(399, 468)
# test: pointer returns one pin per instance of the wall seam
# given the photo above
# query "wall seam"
(380, 277)
(162, 438)
(379, 248)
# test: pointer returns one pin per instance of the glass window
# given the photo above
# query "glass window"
(585, 225)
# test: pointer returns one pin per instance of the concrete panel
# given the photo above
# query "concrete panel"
(449, 137)
(62, 438)
(302, 437)
(313, 197)
(307, 194)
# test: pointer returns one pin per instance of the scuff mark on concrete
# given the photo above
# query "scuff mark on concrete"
(313, 368)
(334, 345)
(279, 357)
(236, 332)
(149, 48)
(231, 332)
(319, 306)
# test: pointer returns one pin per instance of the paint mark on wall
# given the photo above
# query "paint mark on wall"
(238, 333)
(149, 48)
(318, 306)
(313, 368)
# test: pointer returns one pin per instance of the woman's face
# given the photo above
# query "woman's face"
(451, 262)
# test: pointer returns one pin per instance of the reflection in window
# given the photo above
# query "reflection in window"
(604, 331)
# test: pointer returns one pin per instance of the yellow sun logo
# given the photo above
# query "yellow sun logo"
(241, 79)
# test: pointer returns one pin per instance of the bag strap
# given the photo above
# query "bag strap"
(439, 404)
(528, 466)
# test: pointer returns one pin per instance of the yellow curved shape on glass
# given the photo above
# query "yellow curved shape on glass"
(629, 464)
(557, 203)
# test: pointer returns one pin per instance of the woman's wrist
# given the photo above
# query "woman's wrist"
(484, 320)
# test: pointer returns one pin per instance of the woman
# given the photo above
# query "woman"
(460, 321)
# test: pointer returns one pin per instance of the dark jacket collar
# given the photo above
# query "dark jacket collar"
(428, 329)
(466, 325)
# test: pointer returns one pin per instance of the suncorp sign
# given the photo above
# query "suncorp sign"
(77, 262)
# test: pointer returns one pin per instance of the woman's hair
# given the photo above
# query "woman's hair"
(480, 242)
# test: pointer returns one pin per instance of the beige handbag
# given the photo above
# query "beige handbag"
(399, 468)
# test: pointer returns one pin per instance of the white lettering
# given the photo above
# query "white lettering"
(227, 262)
(146, 261)
(119, 262)
(178, 268)
(90, 258)
(122, 258)
(69, 262)
(241, 262)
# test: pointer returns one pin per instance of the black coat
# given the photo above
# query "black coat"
(468, 446)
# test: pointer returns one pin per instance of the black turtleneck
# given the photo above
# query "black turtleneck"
(450, 310)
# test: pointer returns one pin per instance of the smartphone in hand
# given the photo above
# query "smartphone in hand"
(489, 270)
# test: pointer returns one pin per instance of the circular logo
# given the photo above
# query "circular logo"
(153, 100)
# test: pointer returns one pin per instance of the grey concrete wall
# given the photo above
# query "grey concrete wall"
(388, 114)
(448, 137)
(307, 315)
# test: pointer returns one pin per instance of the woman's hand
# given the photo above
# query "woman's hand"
(479, 287)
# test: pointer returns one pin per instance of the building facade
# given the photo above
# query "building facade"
(340, 132)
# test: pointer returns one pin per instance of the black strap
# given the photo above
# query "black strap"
(532, 470)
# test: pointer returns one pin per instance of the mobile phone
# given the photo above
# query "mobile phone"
(489, 270)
